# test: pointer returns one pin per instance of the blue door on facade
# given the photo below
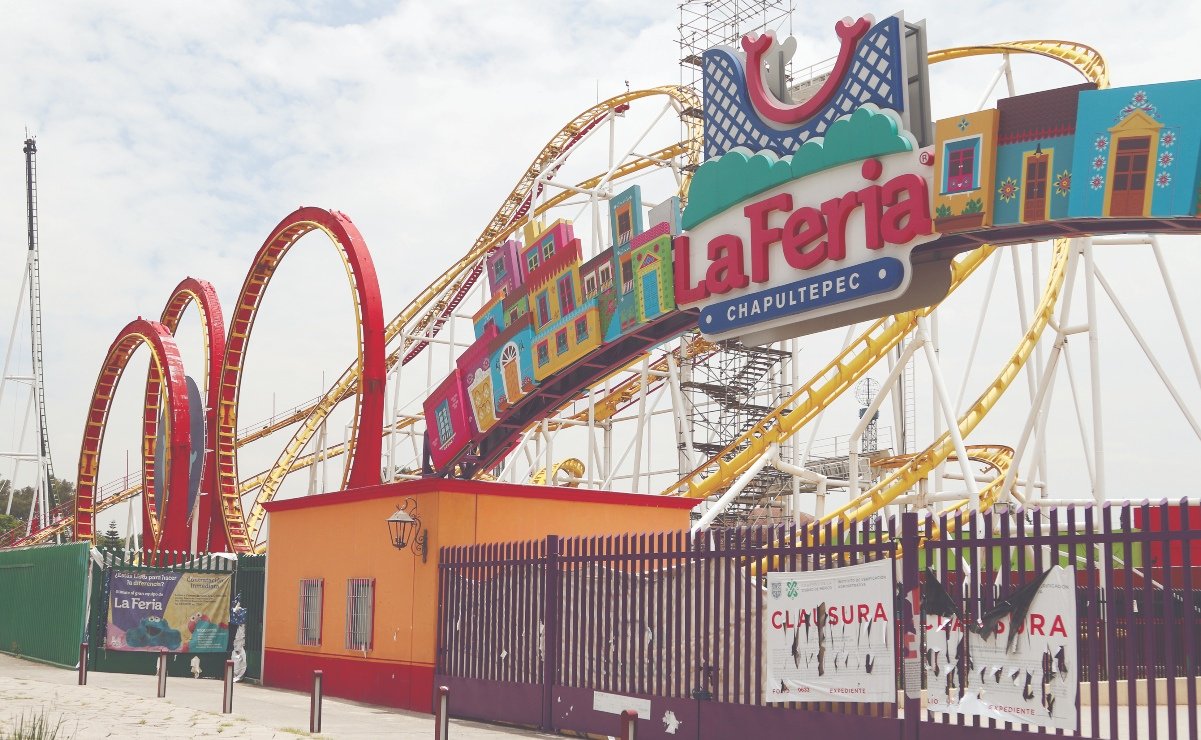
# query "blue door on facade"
(650, 295)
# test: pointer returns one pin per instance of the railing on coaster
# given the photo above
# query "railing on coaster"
(568, 634)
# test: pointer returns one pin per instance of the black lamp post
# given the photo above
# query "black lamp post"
(404, 527)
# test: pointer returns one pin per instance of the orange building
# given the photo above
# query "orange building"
(342, 599)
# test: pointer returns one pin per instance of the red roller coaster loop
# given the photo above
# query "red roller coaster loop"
(209, 524)
(168, 529)
(365, 443)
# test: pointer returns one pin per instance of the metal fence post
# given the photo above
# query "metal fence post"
(162, 673)
(83, 664)
(911, 592)
(550, 652)
(442, 714)
(315, 704)
(227, 699)
(629, 724)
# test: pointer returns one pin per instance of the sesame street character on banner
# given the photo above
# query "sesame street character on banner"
(168, 610)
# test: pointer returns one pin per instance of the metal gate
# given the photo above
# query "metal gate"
(566, 634)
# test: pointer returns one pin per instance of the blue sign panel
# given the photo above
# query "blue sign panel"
(869, 278)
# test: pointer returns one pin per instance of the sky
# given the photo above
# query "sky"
(173, 136)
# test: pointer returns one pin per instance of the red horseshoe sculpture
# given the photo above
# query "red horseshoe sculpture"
(366, 441)
(168, 528)
(766, 104)
(209, 524)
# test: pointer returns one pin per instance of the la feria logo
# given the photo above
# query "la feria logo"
(780, 246)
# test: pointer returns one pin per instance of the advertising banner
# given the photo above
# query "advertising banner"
(1022, 657)
(828, 635)
(172, 610)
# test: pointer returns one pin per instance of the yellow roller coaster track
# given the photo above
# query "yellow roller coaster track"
(572, 466)
(1085, 59)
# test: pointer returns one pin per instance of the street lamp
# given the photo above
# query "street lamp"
(404, 527)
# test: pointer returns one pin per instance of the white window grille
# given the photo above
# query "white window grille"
(360, 613)
(308, 630)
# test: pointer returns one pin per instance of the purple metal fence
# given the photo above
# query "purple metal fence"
(566, 634)
(1135, 622)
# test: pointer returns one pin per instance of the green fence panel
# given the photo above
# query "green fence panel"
(252, 570)
(42, 602)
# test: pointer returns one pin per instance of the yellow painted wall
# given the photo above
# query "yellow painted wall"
(575, 350)
(984, 124)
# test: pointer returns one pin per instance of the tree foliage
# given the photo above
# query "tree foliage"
(62, 490)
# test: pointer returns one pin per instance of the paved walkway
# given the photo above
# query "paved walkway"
(121, 705)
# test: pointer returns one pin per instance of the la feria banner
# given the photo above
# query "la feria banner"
(828, 635)
(175, 611)
(1022, 663)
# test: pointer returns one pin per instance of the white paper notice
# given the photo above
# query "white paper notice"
(828, 635)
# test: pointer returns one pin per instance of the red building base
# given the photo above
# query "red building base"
(388, 683)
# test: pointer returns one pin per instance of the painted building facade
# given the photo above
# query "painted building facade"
(1034, 154)
(965, 171)
(1137, 149)
(549, 309)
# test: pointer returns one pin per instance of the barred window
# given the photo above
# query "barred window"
(360, 613)
(312, 591)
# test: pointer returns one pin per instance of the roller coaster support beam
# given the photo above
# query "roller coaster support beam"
(728, 497)
(1094, 360)
(1142, 343)
(1036, 410)
(683, 428)
(944, 402)
(1167, 282)
(1002, 69)
(856, 440)
(810, 476)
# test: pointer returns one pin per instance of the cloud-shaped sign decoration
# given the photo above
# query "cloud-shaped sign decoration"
(737, 175)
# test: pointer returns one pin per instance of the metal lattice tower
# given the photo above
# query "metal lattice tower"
(729, 393)
(43, 500)
(35, 308)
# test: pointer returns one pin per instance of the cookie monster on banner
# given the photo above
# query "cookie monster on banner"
(169, 610)
(814, 192)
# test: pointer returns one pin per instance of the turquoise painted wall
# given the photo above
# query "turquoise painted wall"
(1176, 105)
(1010, 167)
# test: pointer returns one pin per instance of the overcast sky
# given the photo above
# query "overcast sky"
(173, 136)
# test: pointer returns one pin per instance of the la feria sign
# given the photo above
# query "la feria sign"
(825, 248)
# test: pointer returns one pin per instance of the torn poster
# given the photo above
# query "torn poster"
(1024, 674)
(828, 635)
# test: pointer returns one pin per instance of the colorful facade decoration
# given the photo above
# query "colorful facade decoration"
(446, 409)
(1137, 151)
(550, 309)
(1069, 153)
(964, 171)
(1033, 155)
